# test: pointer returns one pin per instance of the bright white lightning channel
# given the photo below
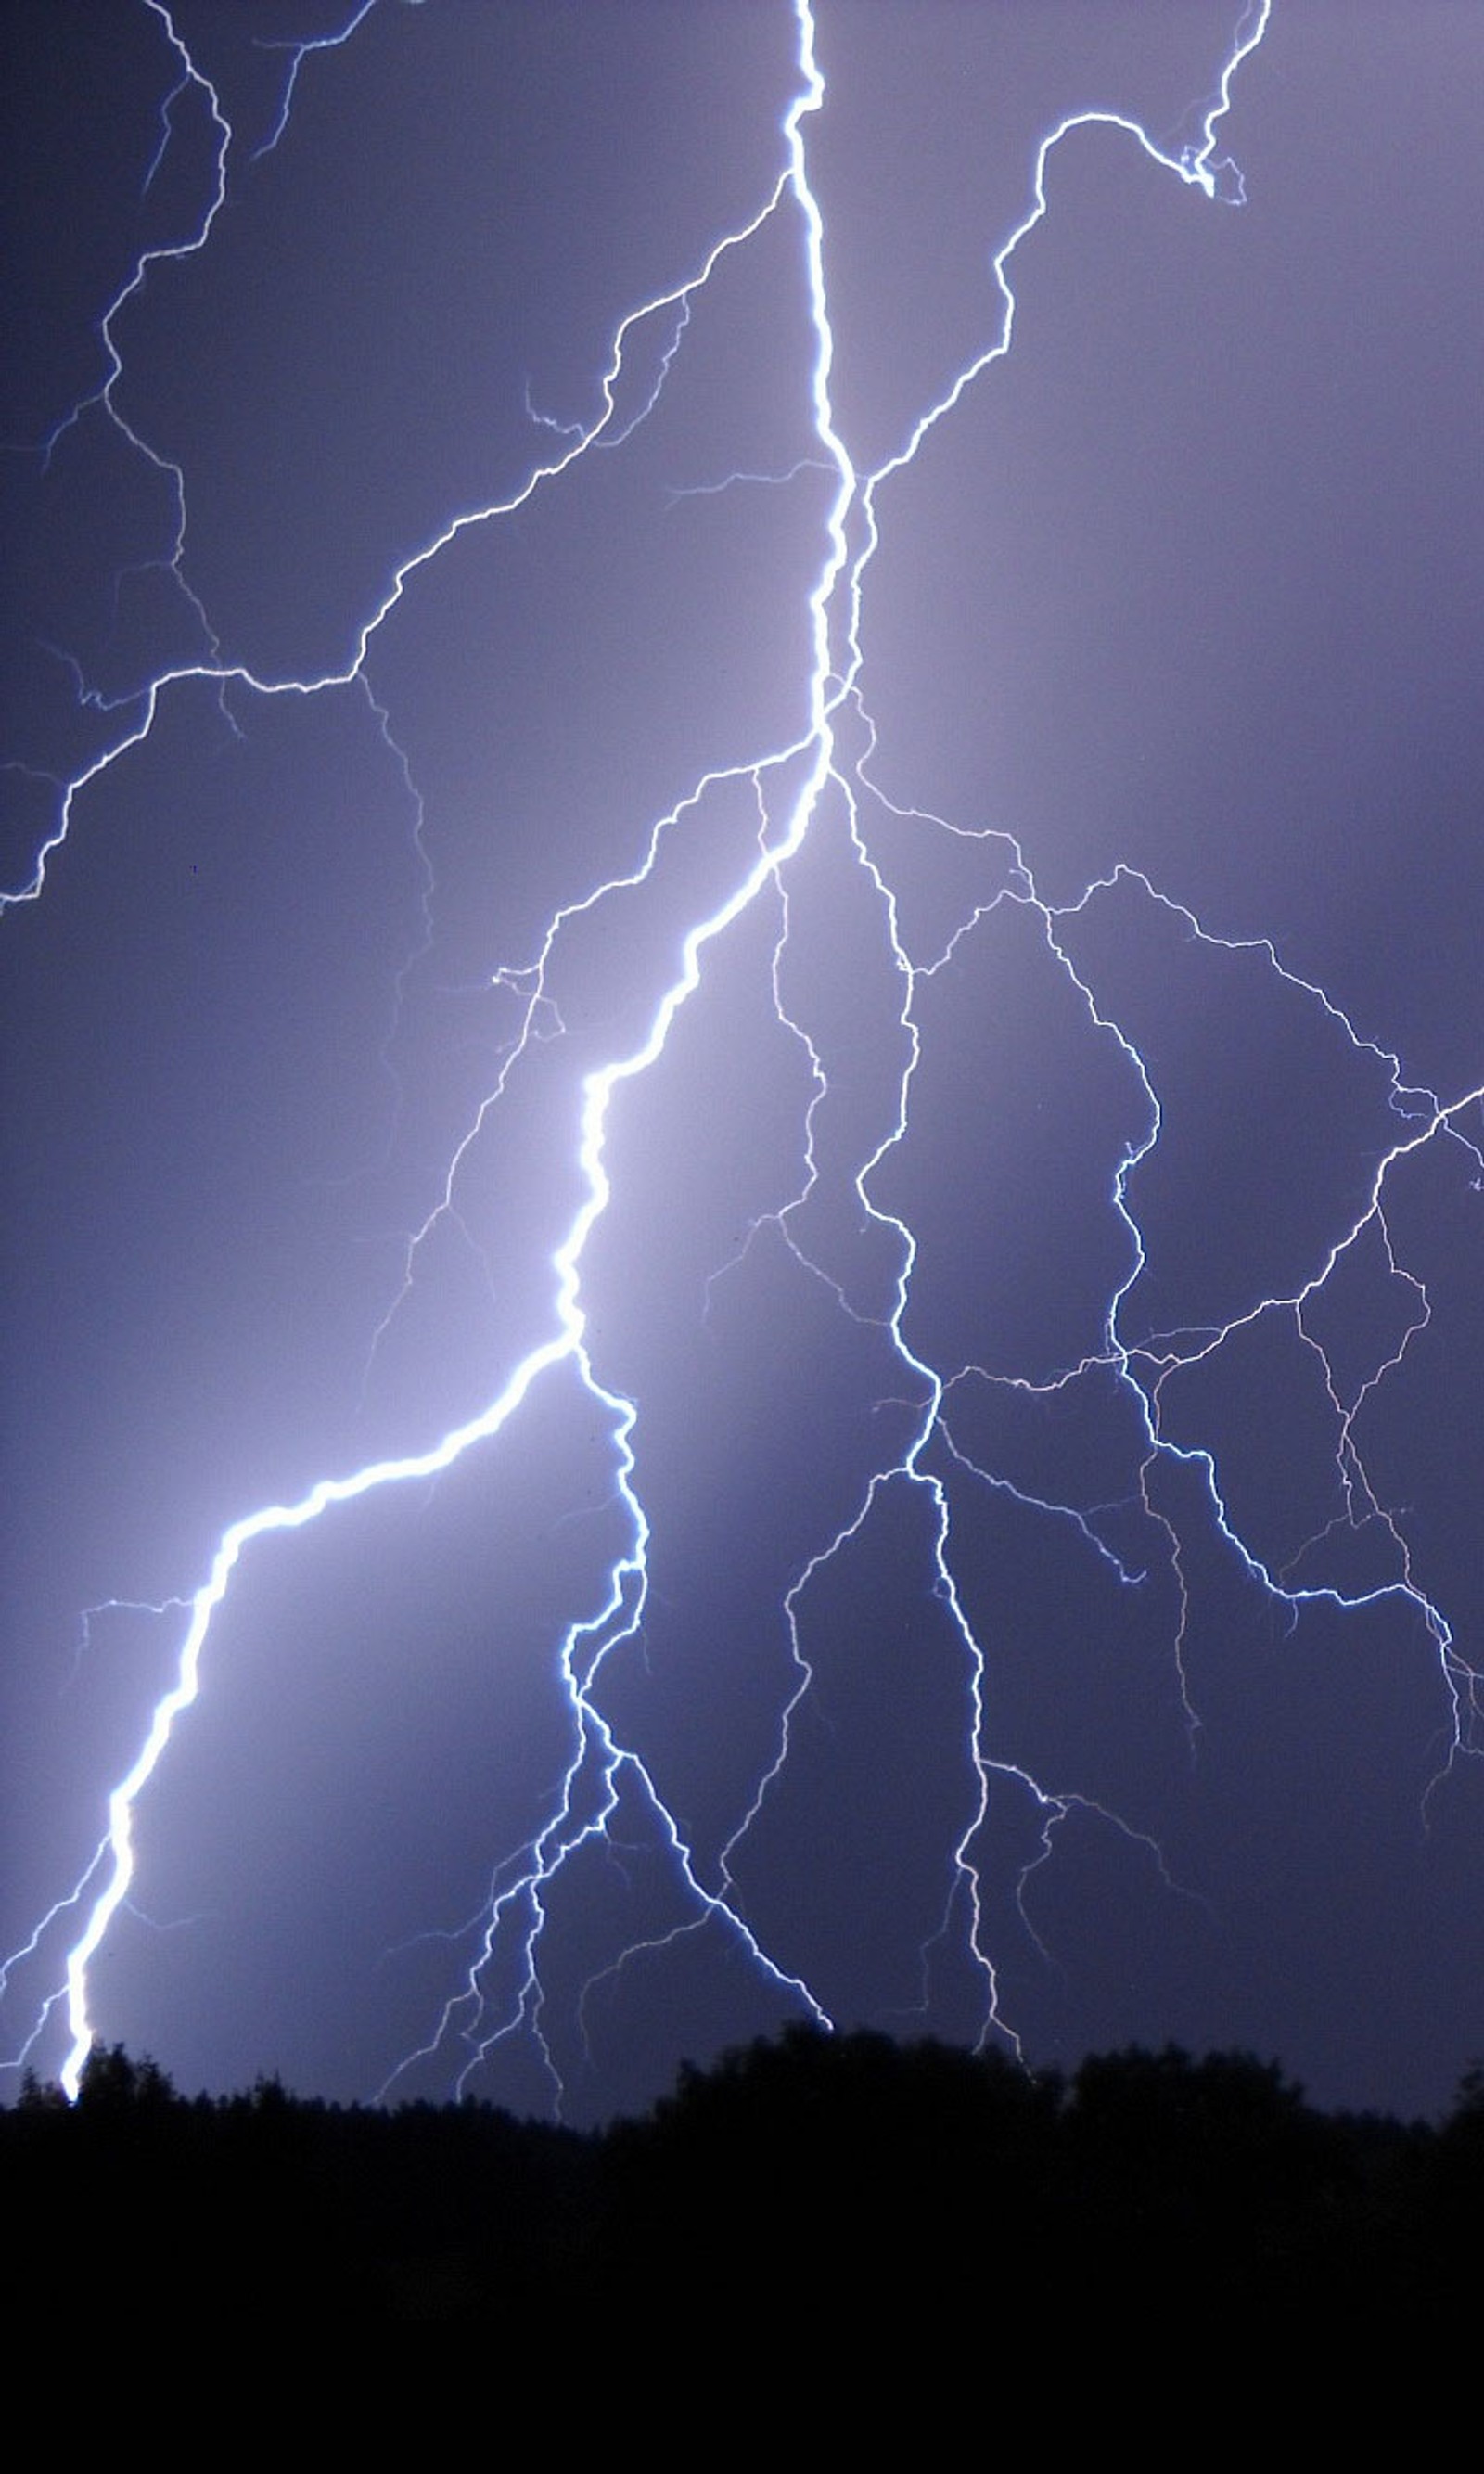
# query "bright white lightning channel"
(515, 1906)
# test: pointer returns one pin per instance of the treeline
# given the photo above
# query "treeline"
(911, 2187)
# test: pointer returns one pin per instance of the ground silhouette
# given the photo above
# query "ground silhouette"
(915, 2193)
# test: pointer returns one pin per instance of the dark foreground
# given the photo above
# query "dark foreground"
(813, 2184)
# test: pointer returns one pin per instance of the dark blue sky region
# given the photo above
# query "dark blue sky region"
(892, 1014)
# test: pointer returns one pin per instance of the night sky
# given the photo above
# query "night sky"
(824, 1031)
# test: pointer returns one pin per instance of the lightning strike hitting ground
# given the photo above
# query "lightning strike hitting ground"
(1151, 1507)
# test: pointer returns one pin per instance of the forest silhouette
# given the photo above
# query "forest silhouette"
(913, 2188)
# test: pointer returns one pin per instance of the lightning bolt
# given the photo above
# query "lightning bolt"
(848, 1232)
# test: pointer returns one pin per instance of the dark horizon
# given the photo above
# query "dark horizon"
(930, 2192)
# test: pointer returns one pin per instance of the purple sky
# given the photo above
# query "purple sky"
(992, 1546)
